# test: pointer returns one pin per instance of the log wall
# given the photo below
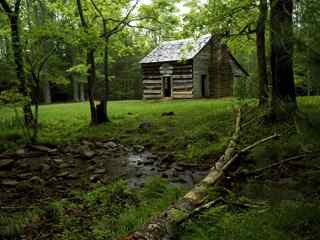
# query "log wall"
(182, 84)
(221, 74)
(152, 81)
(201, 67)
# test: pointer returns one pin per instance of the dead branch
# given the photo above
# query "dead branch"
(253, 120)
(277, 164)
(163, 226)
(248, 148)
(202, 208)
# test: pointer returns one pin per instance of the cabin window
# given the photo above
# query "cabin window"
(203, 85)
(167, 91)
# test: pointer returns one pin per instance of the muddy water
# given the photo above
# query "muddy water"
(143, 165)
(39, 172)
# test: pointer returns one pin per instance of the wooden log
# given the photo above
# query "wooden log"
(151, 91)
(158, 88)
(184, 76)
(152, 83)
(154, 96)
(182, 71)
(152, 77)
(182, 93)
(182, 96)
(184, 86)
(182, 81)
(183, 66)
(163, 226)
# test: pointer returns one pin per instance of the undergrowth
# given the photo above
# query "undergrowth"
(107, 212)
(290, 220)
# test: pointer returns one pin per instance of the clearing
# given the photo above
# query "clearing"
(113, 178)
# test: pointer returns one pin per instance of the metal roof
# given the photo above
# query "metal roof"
(177, 50)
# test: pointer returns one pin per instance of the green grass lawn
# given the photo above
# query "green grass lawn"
(198, 130)
(195, 124)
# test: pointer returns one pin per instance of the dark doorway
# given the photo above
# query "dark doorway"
(167, 86)
(203, 85)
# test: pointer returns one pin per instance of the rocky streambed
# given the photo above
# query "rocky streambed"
(37, 172)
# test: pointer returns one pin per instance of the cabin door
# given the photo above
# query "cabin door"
(167, 87)
(204, 85)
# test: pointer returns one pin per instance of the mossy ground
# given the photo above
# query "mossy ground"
(198, 132)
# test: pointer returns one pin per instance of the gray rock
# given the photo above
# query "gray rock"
(58, 160)
(63, 174)
(100, 171)
(21, 151)
(23, 165)
(88, 154)
(150, 155)
(6, 163)
(36, 180)
(9, 182)
(45, 167)
(44, 148)
(145, 126)
(94, 178)
(138, 148)
(25, 175)
(64, 165)
(91, 168)
(85, 142)
(110, 145)
(167, 159)
(73, 175)
(186, 179)
(53, 180)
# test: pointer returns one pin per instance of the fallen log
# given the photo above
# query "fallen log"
(163, 227)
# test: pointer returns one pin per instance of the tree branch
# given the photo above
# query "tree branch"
(260, 170)
(121, 24)
(17, 6)
(82, 19)
(6, 7)
(97, 9)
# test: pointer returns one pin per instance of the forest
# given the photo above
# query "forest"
(159, 119)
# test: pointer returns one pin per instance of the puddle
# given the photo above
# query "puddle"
(143, 165)
(42, 173)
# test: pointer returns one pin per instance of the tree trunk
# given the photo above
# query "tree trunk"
(74, 83)
(18, 58)
(91, 70)
(261, 54)
(75, 88)
(46, 91)
(102, 109)
(91, 81)
(46, 88)
(81, 90)
(281, 37)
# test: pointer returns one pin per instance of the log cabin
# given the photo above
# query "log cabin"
(190, 68)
